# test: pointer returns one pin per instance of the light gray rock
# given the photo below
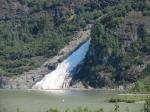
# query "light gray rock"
(28, 79)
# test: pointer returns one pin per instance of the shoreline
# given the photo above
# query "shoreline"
(122, 92)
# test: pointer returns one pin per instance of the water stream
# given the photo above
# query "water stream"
(62, 75)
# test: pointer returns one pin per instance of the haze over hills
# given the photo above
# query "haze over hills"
(33, 31)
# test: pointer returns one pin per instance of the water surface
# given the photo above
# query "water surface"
(40, 101)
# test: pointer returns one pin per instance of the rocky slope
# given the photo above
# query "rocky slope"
(32, 31)
(28, 79)
(120, 52)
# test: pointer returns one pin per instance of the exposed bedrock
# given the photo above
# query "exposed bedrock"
(28, 79)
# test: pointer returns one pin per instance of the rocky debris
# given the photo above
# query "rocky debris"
(23, 81)
(134, 72)
(78, 40)
(28, 79)
(80, 84)
(133, 27)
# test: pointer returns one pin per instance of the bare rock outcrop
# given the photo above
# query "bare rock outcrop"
(28, 79)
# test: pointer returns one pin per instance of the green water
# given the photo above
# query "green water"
(40, 101)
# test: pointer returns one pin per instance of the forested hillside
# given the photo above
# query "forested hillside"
(120, 48)
(32, 31)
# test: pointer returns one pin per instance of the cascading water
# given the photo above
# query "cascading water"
(62, 75)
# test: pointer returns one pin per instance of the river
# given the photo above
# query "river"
(40, 101)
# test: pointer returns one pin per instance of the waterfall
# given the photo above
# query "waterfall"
(62, 75)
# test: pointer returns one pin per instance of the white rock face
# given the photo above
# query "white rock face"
(62, 75)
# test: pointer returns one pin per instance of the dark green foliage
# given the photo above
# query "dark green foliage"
(24, 39)
(147, 106)
(109, 57)
(142, 85)
(129, 98)
(50, 24)
(38, 28)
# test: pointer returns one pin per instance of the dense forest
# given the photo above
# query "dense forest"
(33, 30)
(120, 50)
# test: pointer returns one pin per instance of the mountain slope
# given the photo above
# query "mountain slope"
(33, 31)
(120, 52)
